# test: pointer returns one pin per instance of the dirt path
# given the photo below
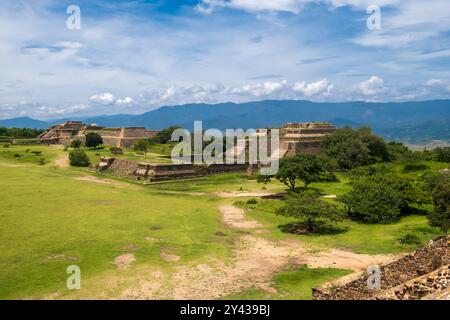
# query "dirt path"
(235, 217)
(62, 161)
(255, 261)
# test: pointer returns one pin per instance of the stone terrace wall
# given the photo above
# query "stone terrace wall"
(162, 172)
(414, 265)
(120, 167)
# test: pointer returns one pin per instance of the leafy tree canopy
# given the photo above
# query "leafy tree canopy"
(312, 209)
(303, 167)
(93, 140)
(440, 216)
(354, 148)
(373, 201)
(141, 145)
(164, 135)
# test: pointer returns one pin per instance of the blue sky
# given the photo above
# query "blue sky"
(134, 56)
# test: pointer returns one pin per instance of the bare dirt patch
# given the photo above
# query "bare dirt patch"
(62, 257)
(344, 259)
(104, 181)
(129, 247)
(62, 161)
(235, 217)
(151, 239)
(124, 261)
(169, 257)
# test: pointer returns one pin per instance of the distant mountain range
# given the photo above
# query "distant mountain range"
(414, 122)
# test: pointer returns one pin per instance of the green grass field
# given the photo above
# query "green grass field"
(293, 285)
(46, 211)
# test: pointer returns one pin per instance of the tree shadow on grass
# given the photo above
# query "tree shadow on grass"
(415, 211)
(320, 228)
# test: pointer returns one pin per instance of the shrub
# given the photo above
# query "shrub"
(78, 158)
(37, 153)
(440, 216)
(93, 140)
(409, 239)
(252, 201)
(443, 154)
(17, 155)
(116, 150)
(373, 201)
(415, 167)
(76, 144)
(41, 161)
(6, 145)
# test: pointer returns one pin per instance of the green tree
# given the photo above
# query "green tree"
(141, 145)
(76, 144)
(303, 167)
(442, 154)
(431, 179)
(396, 150)
(373, 201)
(354, 148)
(376, 145)
(440, 216)
(78, 158)
(311, 210)
(164, 135)
(93, 140)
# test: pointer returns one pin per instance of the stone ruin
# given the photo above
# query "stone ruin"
(422, 274)
(295, 138)
(303, 137)
(65, 133)
(154, 172)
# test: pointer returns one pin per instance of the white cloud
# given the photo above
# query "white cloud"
(434, 82)
(126, 102)
(313, 88)
(439, 84)
(170, 92)
(373, 86)
(103, 98)
(260, 89)
(413, 21)
(292, 6)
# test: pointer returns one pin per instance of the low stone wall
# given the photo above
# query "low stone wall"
(119, 167)
(397, 273)
(149, 172)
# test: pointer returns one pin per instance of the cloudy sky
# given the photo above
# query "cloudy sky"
(134, 56)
